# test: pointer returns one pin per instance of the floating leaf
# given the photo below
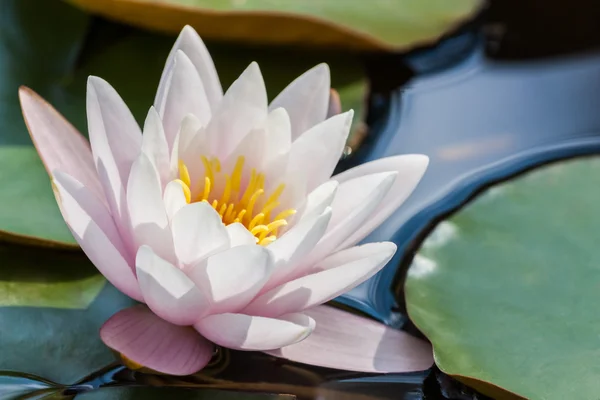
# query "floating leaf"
(360, 25)
(57, 66)
(507, 289)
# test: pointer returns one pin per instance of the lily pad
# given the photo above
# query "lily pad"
(359, 25)
(57, 66)
(507, 289)
(160, 393)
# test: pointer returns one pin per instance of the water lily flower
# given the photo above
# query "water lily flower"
(221, 215)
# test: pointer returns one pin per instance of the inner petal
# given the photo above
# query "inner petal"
(239, 197)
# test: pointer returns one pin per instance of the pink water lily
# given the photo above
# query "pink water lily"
(221, 215)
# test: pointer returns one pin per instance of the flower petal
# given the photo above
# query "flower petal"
(191, 44)
(410, 170)
(294, 244)
(354, 202)
(306, 99)
(246, 332)
(60, 145)
(338, 273)
(279, 135)
(335, 104)
(192, 143)
(348, 342)
(169, 293)
(149, 221)
(243, 106)
(318, 150)
(198, 232)
(185, 95)
(154, 145)
(319, 199)
(239, 235)
(232, 278)
(174, 198)
(145, 339)
(93, 228)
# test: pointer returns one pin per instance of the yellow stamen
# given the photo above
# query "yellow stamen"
(240, 216)
(268, 240)
(229, 214)
(215, 204)
(227, 191)
(285, 214)
(236, 176)
(276, 224)
(222, 210)
(186, 190)
(257, 220)
(253, 199)
(259, 229)
(208, 169)
(184, 174)
(206, 188)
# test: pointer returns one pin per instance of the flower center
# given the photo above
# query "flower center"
(251, 207)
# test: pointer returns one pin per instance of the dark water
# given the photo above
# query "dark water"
(497, 98)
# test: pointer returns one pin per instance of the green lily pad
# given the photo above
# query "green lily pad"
(361, 25)
(57, 66)
(160, 393)
(507, 289)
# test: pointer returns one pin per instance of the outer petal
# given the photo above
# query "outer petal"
(191, 44)
(99, 240)
(239, 235)
(169, 293)
(318, 150)
(348, 342)
(245, 332)
(144, 338)
(198, 232)
(306, 99)
(340, 272)
(410, 171)
(59, 144)
(230, 279)
(154, 145)
(116, 141)
(185, 95)
(291, 248)
(149, 219)
(242, 108)
(353, 204)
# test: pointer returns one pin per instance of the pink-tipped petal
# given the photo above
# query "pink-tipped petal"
(154, 145)
(232, 278)
(239, 235)
(348, 342)
(246, 332)
(335, 104)
(190, 43)
(145, 339)
(354, 203)
(169, 293)
(336, 277)
(306, 99)
(198, 232)
(149, 220)
(60, 145)
(294, 245)
(243, 107)
(93, 228)
(410, 170)
(318, 150)
(185, 95)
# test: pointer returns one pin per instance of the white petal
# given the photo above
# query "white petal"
(191, 44)
(239, 235)
(245, 332)
(293, 245)
(410, 170)
(174, 198)
(339, 273)
(232, 278)
(319, 199)
(198, 232)
(93, 228)
(279, 135)
(306, 99)
(192, 143)
(185, 95)
(149, 220)
(242, 108)
(319, 149)
(116, 141)
(355, 201)
(154, 145)
(168, 292)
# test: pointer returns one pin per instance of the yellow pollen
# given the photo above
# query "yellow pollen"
(237, 201)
